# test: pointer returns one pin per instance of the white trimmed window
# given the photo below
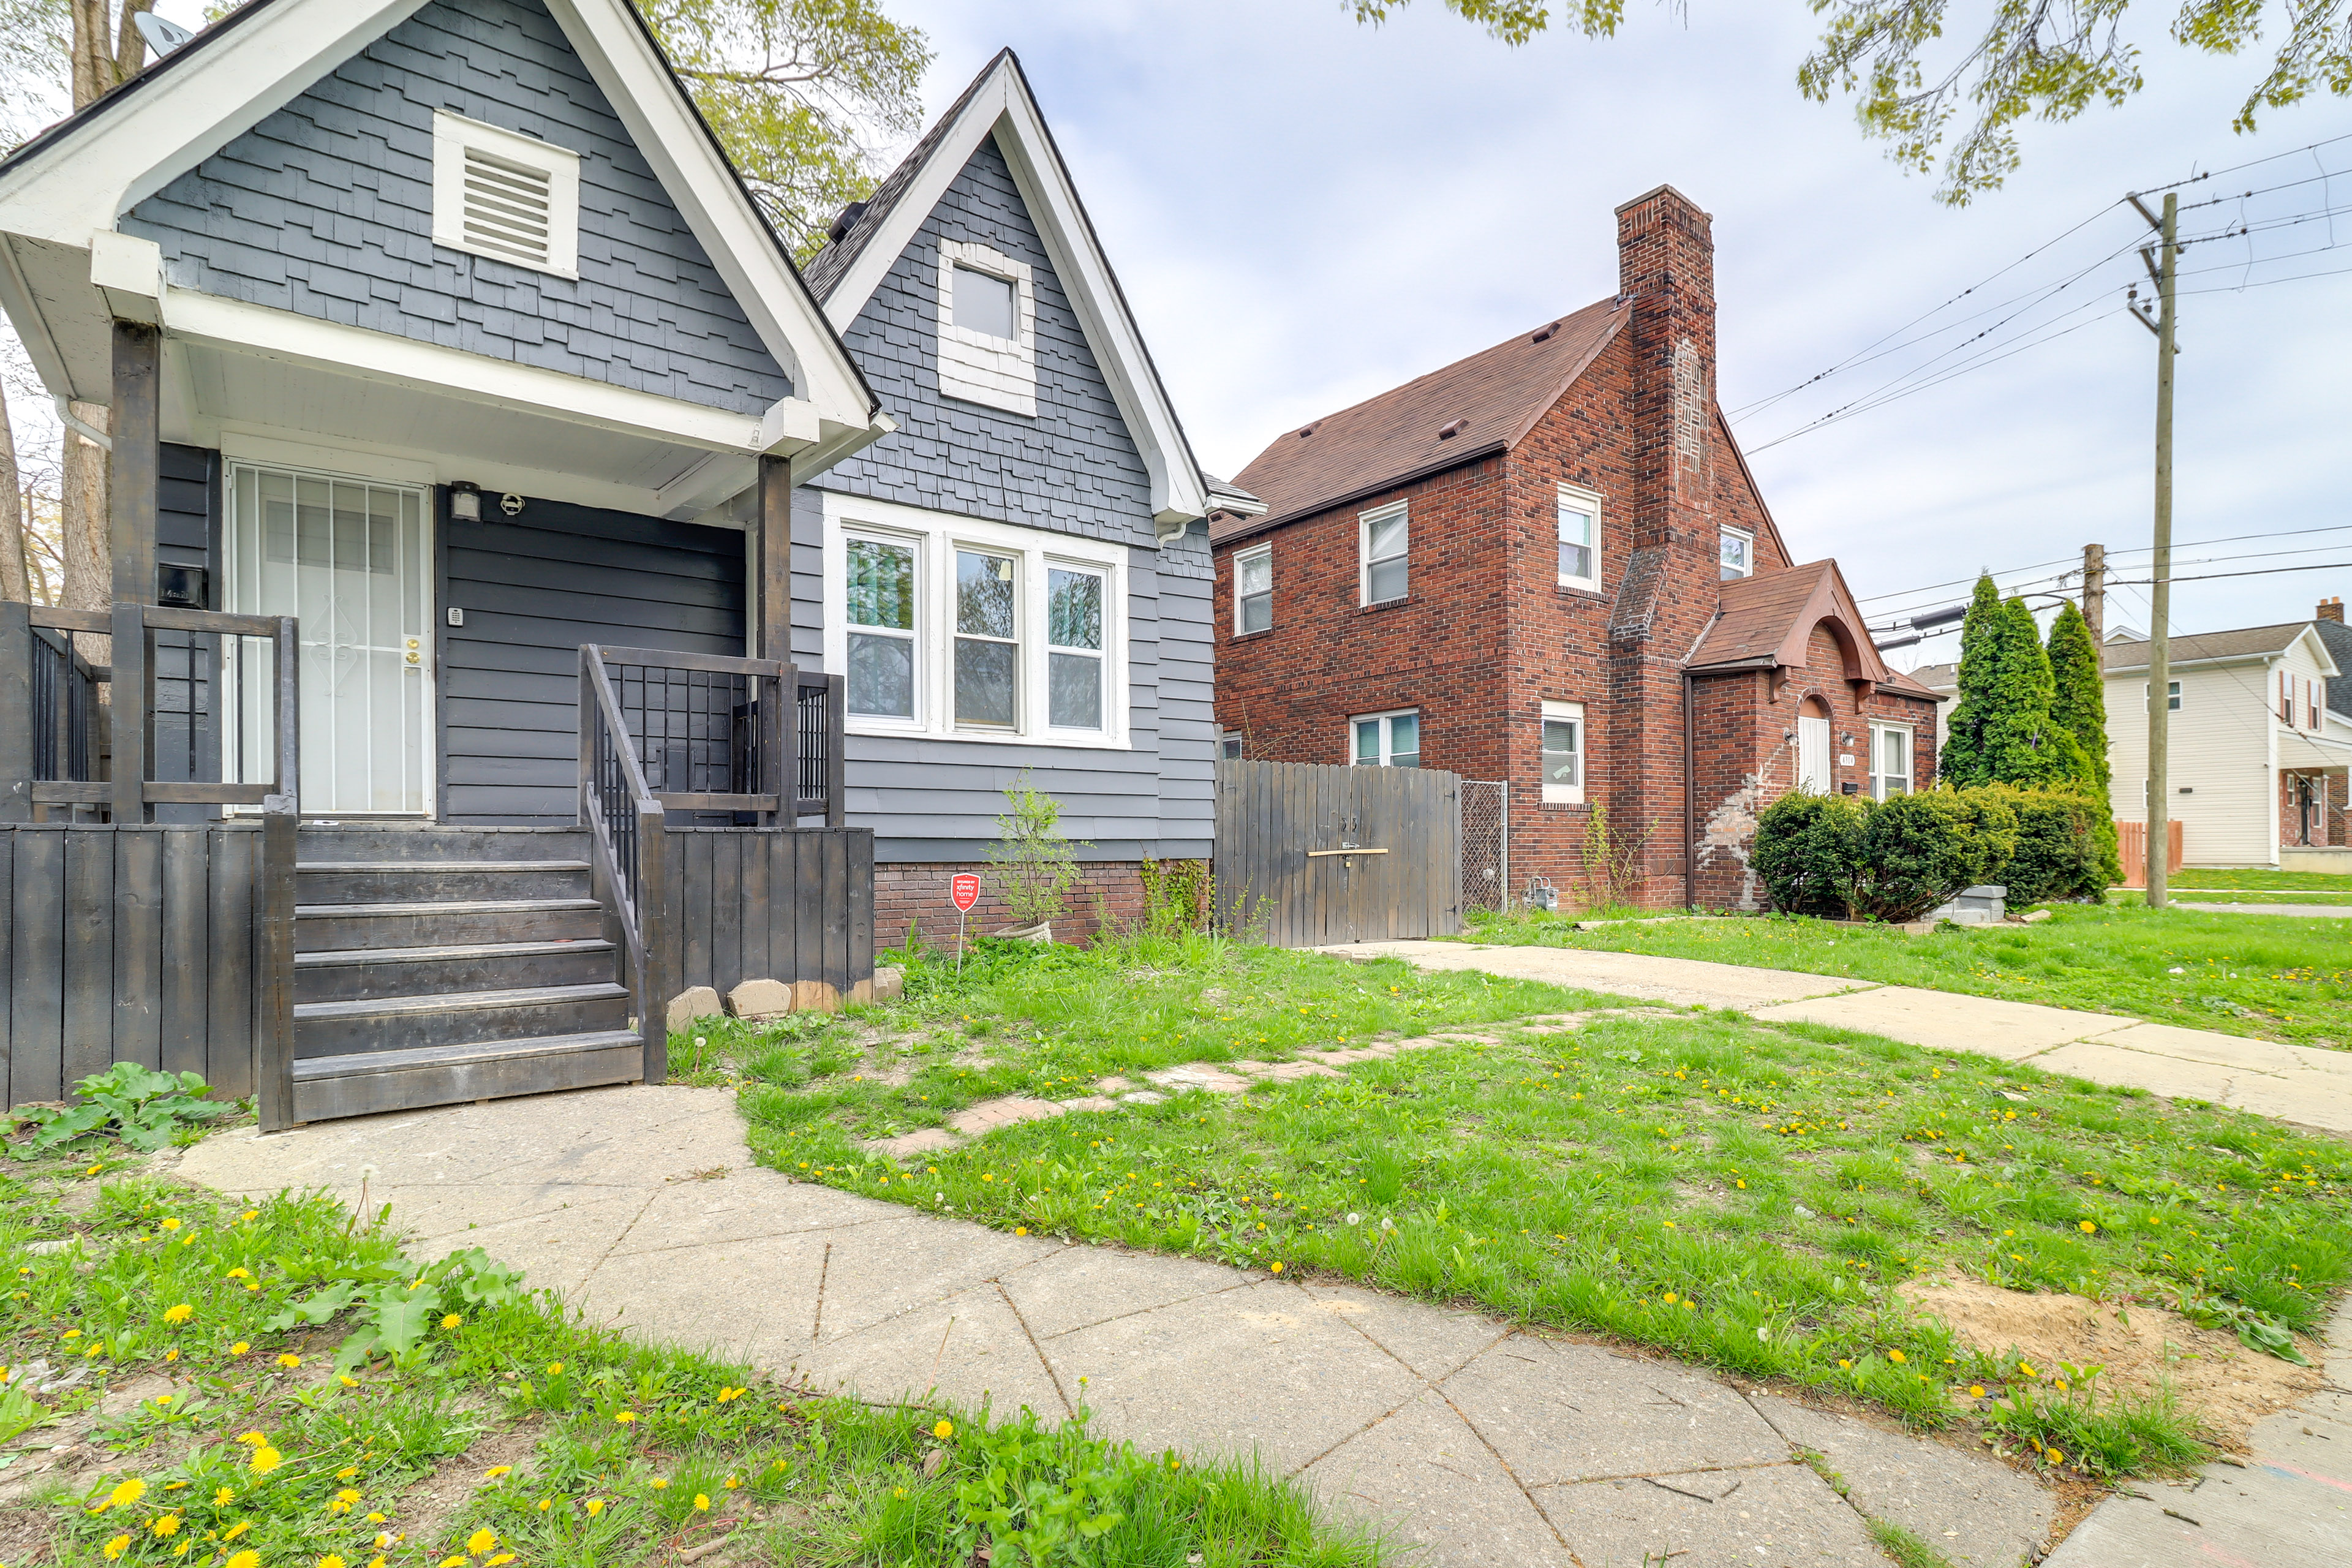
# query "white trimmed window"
(1382, 538)
(505, 196)
(953, 627)
(1579, 539)
(1563, 753)
(988, 328)
(1890, 760)
(1386, 740)
(1254, 590)
(2172, 695)
(1735, 549)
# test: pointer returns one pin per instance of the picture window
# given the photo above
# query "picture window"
(1386, 740)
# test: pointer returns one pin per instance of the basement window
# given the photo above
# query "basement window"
(504, 196)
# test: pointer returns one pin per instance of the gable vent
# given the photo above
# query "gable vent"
(507, 196)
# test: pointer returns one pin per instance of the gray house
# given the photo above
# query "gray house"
(529, 599)
(1017, 578)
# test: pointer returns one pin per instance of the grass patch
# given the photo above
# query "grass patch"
(1744, 1197)
(1049, 1021)
(2275, 977)
(502, 1430)
(2262, 879)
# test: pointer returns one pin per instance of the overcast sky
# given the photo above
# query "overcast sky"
(1305, 212)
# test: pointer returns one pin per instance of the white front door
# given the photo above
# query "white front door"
(1813, 753)
(349, 559)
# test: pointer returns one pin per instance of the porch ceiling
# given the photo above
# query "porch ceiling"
(480, 435)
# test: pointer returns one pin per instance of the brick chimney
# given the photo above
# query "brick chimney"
(2332, 610)
(1665, 267)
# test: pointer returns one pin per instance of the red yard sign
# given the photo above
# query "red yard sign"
(963, 891)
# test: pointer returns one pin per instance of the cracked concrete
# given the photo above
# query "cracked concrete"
(2293, 1083)
(1479, 1442)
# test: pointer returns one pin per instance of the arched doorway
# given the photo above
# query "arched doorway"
(1813, 746)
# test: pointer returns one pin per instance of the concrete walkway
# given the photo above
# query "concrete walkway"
(2293, 1083)
(2317, 912)
(1484, 1445)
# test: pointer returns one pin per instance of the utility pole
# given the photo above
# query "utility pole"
(2161, 268)
(2095, 590)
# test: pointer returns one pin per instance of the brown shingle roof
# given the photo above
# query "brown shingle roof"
(2249, 642)
(1478, 405)
(1768, 621)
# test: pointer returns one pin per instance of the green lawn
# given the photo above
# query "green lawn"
(1745, 1196)
(504, 1430)
(2279, 977)
(2263, 880)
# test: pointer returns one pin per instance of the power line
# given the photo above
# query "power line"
(2259, 572)
(2249, 163)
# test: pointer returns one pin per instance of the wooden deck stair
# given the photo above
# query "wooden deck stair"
(437, 965)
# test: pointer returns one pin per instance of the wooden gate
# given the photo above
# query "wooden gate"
(1308, 854)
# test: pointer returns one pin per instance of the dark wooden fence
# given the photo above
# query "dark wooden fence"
(129, 944)
(1308, 854)
(794, 904)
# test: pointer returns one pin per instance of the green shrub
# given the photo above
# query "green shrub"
(1916, 851)
(1808, 850)
(2066, 846)
(1841, 859)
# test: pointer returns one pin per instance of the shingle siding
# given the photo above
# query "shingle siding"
(1072, 470)
(325, 209)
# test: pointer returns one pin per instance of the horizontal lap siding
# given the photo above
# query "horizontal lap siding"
(535, 587)
(126, 944)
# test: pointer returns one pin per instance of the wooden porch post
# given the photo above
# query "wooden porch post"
(131, 477)
(773, 559)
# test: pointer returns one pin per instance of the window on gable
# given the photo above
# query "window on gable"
(988, 328)
(1579, 538)
(1386, 740)
(881, 605)
(1254, 590)
(1735, 549)
(985, 303)
(1563, 753)
(504, 196)
(1380, 546)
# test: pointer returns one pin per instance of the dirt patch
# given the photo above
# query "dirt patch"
(426, 1508)
(2140, 1348)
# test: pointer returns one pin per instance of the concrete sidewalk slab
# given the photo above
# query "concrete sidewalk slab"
(1940, 1020)
(1427, 1470)
(1684, 981)
(1780, 1516)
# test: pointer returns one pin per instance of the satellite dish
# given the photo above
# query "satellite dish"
(162, 37)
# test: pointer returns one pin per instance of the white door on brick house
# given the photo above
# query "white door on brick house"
(1813, 753)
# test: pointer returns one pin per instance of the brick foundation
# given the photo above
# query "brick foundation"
(916, 891)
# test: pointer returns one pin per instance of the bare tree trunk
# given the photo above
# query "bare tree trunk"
(89, 538)
(15, 558)
(93, 73)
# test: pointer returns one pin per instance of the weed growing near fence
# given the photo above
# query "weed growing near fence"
(173, 1331)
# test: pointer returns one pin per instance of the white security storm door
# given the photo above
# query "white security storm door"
(349, 559)
(1813, 753)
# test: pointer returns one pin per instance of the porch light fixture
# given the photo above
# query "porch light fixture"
(465, 502)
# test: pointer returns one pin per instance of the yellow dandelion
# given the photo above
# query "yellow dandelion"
(555, 1369)
(171, 1225)
(944, 1429)
(702, 1502)
(1897, 1357)
(116, 1547)
(1976, 1391)
(244, 1560)
(451, 1320)
(2088, 1228)
(239, 1347)
(347, 1473)
(1277, 1262)
(179, 1314)
(222, 1498)
(234, 1531)
(595, 1506)
(289, 1360)
(330, 1560)
(126, 1493)
(265, 1459)
(169, 1524)
(481, 1540)
(495, 1471)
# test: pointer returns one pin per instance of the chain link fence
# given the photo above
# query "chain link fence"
(1485, 845)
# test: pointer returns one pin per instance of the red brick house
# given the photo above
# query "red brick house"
(1549, 563)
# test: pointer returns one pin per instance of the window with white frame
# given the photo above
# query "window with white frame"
(1890, 760)
(1381, 548)
(505, 196)
(1074, 648)
(950, 626)
(1579, 538)
(988, 328)
(1563, 753)
(987, 639)
(880, 602)
(1735, 549)
(2171, 696)
(1254, 590)
(1386, 740)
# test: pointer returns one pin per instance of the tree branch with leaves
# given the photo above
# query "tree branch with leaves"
(1935, 84)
